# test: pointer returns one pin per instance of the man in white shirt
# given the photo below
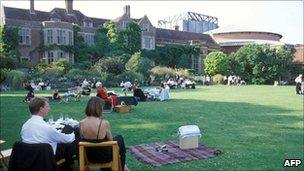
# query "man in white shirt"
(36, 130)
(299, 81)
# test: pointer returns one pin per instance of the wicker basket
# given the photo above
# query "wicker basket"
(122, 108)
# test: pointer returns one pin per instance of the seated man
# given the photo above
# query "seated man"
(36, 130)
(29, 96)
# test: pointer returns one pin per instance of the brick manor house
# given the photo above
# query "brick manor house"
(56, 27)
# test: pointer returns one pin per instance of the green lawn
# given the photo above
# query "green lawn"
(256, 127)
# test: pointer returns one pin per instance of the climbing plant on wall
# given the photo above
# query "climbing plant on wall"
(9, 44)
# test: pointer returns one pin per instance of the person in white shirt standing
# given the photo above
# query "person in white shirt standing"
(299, 81)
(36, 130)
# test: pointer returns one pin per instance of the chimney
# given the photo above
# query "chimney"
(176, 27)
(127, 10)
(69, 6)
(32, 9)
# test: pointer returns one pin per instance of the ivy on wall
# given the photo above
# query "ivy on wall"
(9, 43)
(174, 56)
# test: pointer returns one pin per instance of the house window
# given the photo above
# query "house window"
(49, 37)
(87, 24)
(145, 27)
(89, 39)
(61, 37)
(50, 57)
(59, 54)
(24, 36)
(195, 62)
(70, 38)
(124, 24)
(25, 59)
(147, 43)
(55, 19)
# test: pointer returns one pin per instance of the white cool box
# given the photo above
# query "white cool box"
(189, 136)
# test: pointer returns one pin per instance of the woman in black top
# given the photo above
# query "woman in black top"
(95, 129)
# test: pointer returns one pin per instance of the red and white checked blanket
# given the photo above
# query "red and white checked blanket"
(148, 154)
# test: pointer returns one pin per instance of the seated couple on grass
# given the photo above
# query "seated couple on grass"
(92, 128)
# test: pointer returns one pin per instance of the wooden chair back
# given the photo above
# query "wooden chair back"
(84, 164)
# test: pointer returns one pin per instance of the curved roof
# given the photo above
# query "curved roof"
(241, 42)
(237, 29)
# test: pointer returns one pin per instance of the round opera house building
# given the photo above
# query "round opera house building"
(231, 38)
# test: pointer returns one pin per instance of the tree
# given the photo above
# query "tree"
(113, 65)
(260, 64)
(284, 57)
(113, 35)
(247, 58)
(139, 64)
(216, 63)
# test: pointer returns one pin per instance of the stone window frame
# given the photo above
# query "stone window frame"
(24, 36)
(70, 38)
(50, 57)
(145, 27)
(55, 19)
(87, 24)
(54, 55)
(89, 38)
(145, 43)
(25, 58)
(124, 24)
(49, 36)
(61, 36)
(195, 62)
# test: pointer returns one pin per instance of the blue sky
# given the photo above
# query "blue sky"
(283, 17)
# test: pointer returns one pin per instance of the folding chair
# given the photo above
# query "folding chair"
(84, 164)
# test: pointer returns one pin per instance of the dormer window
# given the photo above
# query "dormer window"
(145, 27)
(55, 19)
(88, 24)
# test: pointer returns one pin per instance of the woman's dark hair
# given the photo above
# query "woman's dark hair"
(94, 107)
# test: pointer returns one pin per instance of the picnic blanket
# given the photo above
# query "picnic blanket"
(129, 100)
(148, 154)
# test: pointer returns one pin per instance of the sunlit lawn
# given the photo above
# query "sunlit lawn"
(256, 127)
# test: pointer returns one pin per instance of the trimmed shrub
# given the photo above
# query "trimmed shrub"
(139, 64)
(218, 79)
(113, 65)
(62, 63)
(7, 62)
(163, 73)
